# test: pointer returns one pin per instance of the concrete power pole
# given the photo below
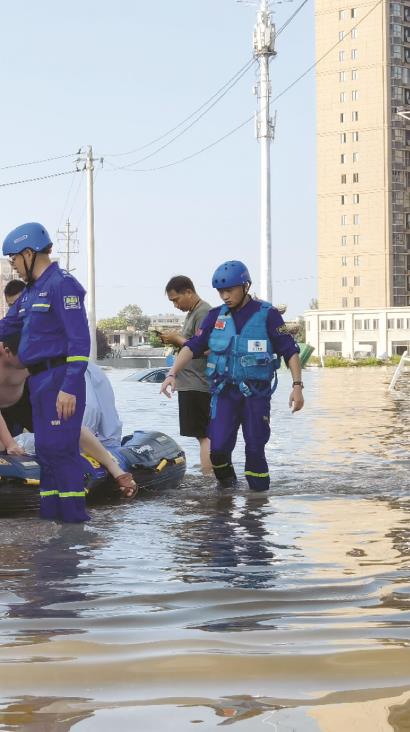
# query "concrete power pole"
(92, 321)
(69, 240)
(264, 49)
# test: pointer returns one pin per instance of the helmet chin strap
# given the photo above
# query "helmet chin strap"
(245, 289)
(29, 270)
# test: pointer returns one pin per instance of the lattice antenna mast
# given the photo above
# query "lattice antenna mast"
(68, 238)
(264, 50)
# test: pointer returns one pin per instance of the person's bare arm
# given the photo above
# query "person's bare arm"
(184, 357)
(7, 442)
(296, 400)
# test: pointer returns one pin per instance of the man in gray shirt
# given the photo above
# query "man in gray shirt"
(192, 386)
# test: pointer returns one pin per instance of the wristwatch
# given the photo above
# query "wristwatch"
(298, 383)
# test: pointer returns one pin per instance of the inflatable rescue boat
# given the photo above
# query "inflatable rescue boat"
(154, 459)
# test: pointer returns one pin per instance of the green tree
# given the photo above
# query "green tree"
(301, 334)
(103, 348)
(108, 325)
(154, 340)
(134, 317)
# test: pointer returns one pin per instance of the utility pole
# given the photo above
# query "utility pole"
(92, 321)
(264, 49)
(68, 238)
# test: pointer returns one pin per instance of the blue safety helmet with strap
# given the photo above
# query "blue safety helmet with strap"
(231, 274)
(27, 236)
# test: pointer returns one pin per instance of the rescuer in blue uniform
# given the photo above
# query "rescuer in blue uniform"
(246, 339)
(54, 347)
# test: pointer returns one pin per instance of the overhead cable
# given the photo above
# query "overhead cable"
(250, 119)
(206, 106)
(232, 80)
(38, 178)
(191, 124)
(44, 160)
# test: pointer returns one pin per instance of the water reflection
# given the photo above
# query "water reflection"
(41, 714)
(54, 577)
(228, 542)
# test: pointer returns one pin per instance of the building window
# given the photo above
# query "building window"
(357, 302)
(342, 75)
(376, 324)
(355, 116)
(355, 177)
(343, 241)
(343, 220)
(344, 302)
(356, 219)
(356, 198)
(343, 178)
(353, 13)
(342, 200)
(323, 325)
(357, 281)
(341, 324)
(397, 93)
(356, 261)
(341, 35)
(396, 51)
(332, 325)
(354, 33)
(390, 323)
(355, 95)
(395, 9)
(396, 71)
(358, 325)
(344, 261)
(343, 158)
(341, 55)
(344, 281)
(354, 54)
(342, 117)
(355, 157)
(355, 136)
(342, 96)
(342, 14)
(400, 323)
(356, 239)
(343, 138)
(366, 324)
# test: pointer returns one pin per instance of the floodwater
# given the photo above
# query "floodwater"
(198, 607)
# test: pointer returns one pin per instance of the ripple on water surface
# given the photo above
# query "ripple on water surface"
(196, 606)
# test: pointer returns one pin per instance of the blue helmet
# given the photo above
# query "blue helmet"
(231, 274)
(27, 236)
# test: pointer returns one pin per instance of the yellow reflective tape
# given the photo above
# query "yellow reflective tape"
(44, 494)
(77, 358)
(41, 305)
(32, 481)
(225, 465)
(256, 475)
(72, 494)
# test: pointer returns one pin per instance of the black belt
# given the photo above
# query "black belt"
(48, 363)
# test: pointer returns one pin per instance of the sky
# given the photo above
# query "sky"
(119, 75)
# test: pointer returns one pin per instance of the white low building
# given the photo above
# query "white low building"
(357, 333)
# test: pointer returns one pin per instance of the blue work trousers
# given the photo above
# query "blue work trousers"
(233, 409)
(62, 494)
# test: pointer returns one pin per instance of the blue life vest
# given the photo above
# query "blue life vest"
(247, 359)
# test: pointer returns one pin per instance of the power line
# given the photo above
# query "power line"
(243, 69)
(250, 119)
(206, 106)
(38, 178)
(191, 124)
(44, 160)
